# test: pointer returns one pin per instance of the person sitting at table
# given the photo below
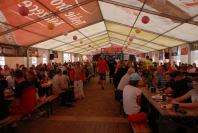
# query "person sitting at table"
(125, 79)
(193, 94)
(25, 95)
(10, 79)
(180, 86)
(123, 82)
(4, 106)
(60, 85)
(132, 95)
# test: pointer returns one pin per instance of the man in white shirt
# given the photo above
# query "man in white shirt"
(125, 79)
(59, 82)
(60, 85)
(132, 96)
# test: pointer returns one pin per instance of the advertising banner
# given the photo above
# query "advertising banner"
(112, 50)
(12, 51)
(70, 15)
(184, 51)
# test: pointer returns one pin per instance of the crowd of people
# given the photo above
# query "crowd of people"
(181, 81)
(178, 81)
(26, 86)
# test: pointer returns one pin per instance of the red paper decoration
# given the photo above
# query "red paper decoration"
(75, 37)
(23, 11)
(50, 26)
(145, 19)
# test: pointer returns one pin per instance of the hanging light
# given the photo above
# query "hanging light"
(75, 37)
(145, 19)
(130, 39)
(81, 42)
(50, 26)
(138, 30)
(23, 11)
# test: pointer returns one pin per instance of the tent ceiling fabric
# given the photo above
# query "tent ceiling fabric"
(99, 23)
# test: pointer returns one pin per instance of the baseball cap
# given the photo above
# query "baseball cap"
(135, 77)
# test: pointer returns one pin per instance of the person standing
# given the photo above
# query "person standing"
(111, 65)
(102, 69)
(147, 62)
(78, 82)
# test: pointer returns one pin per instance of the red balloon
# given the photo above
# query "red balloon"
(23, 10)
(145, 19)
(75, 37)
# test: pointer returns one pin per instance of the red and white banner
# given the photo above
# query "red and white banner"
(111, 50)
(78, 14)
(184, 51)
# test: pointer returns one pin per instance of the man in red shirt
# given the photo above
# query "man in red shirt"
(102, 69)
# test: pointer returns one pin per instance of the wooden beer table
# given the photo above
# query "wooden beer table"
(157, 104)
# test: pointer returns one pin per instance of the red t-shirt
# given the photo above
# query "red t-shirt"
(102, 66)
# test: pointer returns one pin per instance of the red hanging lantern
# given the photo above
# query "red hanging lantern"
(75, 37)
(145, 19)
(23, 11)
(50, 26)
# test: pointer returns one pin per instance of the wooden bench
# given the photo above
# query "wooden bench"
(14, 118)
(140, 127)
(11, 119)
(48, 101)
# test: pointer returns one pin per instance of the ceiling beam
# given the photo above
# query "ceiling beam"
(86, 43)
(149, 11)
(169, 30)
(110, 21)
(169, 8)
(66, 21)
(45, 17)
(135, 21)
(133, 43)
(138, 38)
(103, 20)
(94, 46)
(81, 39)
(128, 48)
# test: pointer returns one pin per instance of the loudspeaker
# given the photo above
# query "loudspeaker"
(166, 55)
(132, 58)
(51, 56)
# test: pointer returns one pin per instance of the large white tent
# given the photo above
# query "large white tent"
(98, 24)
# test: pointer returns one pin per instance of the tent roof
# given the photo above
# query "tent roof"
(99, 23)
